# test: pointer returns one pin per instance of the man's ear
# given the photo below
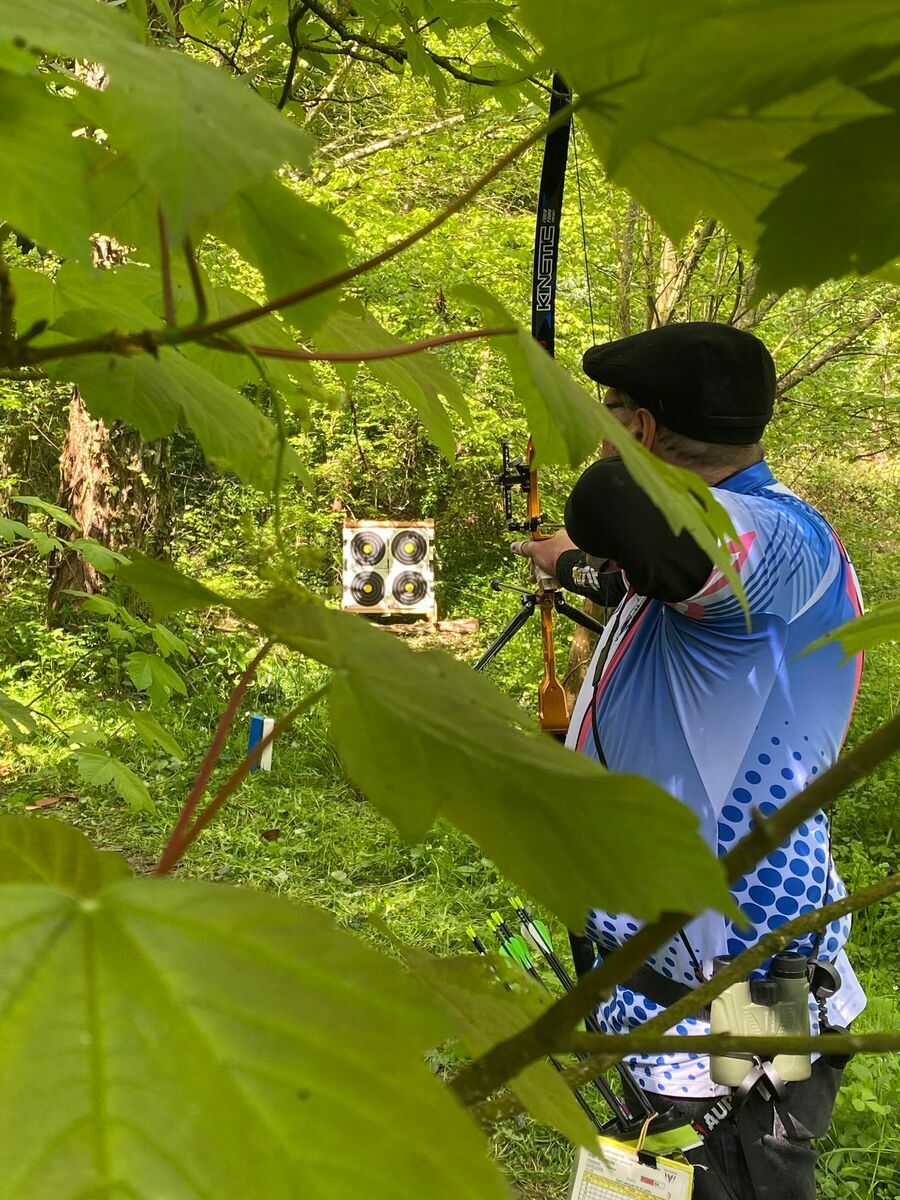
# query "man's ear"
(644, 428)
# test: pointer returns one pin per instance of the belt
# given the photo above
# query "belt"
(660, 989)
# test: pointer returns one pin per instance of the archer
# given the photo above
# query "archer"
(728, 719)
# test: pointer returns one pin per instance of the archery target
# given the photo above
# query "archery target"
(388, 567)
(409, 547)
(367, 547)
(367, 588)
(409, 588)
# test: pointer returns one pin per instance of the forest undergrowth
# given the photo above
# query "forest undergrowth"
(304, 832)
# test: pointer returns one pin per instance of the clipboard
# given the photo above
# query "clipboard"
(621, 1173)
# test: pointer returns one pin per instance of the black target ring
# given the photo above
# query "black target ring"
(409, 588)
(367, 547)
(409, 547)
(367, 589)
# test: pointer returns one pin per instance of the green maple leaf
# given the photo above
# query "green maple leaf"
(211, 1042)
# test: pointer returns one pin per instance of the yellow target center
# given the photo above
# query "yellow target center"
(367, 548)
(409, 547)
(409, 588)
(367, 587)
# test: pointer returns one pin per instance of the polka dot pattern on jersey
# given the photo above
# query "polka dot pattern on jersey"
(794, 879)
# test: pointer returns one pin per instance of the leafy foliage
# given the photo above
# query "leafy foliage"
(154, 734)
(490, 1000)
(848, 165)
(420, 379)
(721, 127)
(202, 186)
(16, 717)
(555, 822)
(57, 856)
(172, 975)
(151, 674)
(99, 768)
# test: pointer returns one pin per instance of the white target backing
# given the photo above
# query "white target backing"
(388, 567)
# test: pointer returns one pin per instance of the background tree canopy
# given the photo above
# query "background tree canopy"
(224, 223)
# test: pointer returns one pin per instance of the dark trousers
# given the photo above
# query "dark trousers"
(753, 1150)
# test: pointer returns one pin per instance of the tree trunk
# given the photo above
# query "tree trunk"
(666, 284)
(110, 482)
(114, 485)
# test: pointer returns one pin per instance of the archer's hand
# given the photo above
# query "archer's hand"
(544, 552)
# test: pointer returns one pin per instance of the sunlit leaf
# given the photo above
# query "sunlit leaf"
(151, 674)
(713, 128)
(34, 850)
(841, 214)
(101, 769)
(420, 378)
(292, 242)
(100, 557)
(165, 589)
(44, 543)
(73, 27)
(153, 734)
(17, 718)
(190, 1040)
(48, 162)
(11, 531)
(52, 510)
(167, 642)
(195, 135)
(97, 604)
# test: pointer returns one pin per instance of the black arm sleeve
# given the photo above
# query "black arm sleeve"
(609, 516)
(573, 571)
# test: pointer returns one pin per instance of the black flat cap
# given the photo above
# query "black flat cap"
(711, 382)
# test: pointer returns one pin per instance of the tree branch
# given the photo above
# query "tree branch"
(176, 845)
(7, 297)
(505, 1060)
(350, 51)
(293, 21)
(196, 281)
(401, 351)
(228, 59)
(609, 1044)
(327, 92)
(797, 374)
(674, 289)
(391, 50)
(701, 997)
(150, 340)
(397, 139)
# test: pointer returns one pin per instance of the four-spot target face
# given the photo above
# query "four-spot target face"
(409, 588)
(367, 547)
(388, 567)
(367, 588)
(409, 547)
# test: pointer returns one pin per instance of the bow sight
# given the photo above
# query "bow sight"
(545, 593)
(515, 473)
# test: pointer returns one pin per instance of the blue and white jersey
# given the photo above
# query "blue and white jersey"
(729, 719)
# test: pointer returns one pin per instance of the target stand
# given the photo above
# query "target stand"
(388, 569)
